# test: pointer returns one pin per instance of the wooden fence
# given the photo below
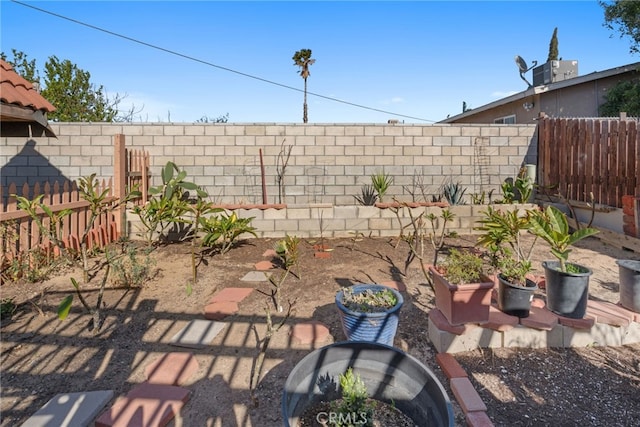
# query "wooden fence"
(579, 157)
(19, 234)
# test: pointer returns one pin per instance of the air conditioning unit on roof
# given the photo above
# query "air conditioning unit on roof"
(554, 71)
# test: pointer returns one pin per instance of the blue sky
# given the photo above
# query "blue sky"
(417, 61)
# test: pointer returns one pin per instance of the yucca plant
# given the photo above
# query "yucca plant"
(381, 182)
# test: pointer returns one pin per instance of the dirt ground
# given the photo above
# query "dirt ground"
(42, 356)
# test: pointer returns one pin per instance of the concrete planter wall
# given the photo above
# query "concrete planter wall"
(314, 220)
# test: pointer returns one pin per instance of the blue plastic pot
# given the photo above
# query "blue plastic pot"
(379, 327)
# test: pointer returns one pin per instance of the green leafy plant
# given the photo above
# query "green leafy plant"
(524, 186)
(368, 196)
(288, 250)
(552, 226)
(501, 233)
(462, 266)
(128, 269)
(168, 203)
(223, 231)
(51, 229)
(454, 193)
(381, 183)
(369, 301)
(99, 203)
(508, 191)
(355, 408)
(198, 210)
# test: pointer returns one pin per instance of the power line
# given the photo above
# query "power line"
(201, 61)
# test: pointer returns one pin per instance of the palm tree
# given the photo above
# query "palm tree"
(302, 59)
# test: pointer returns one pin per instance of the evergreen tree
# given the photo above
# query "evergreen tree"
(553, 46)
(624, 96)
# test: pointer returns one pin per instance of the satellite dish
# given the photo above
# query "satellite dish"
(522, 66)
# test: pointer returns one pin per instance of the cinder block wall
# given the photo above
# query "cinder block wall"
(328, 163)
(325, 220)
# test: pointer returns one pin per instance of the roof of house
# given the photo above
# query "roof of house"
(547, 88)
(19, 99)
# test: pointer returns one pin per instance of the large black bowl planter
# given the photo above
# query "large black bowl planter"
(567, 293)
(389, 374)
(377, 327)
(514, 299)
(629, 273)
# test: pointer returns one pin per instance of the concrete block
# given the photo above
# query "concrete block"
(446, 342)
(631, 334)
(600, 334)
(70, 409)
(524, 337)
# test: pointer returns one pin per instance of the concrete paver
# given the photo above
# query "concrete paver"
(146, 405)
(255, 276)
(450, 366)
(219, 310)
(231, 295)
(197, 333)
(70, 409)
(171, 369)
(312, 332)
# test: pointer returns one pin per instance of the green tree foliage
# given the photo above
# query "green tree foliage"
(624, 16)
(553, 46)
(624, 96)
(302, 59)
(70, 90)
(76, 99)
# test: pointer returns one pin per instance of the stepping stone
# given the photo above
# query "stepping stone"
(172, 369)
(269, 253)
(264, 266)
(197, 333)
(450, 366)
(395, 284)
(466, 395)
(70, 409)
(231, 295)
(310, 332)
(540, 318)
(255, 276)
(147, 405)
(219, 310)
(608, 313)
(500, 321)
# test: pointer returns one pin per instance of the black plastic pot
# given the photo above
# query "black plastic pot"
(390, 375)
(514, 299)
(567, 293)
(629, 273)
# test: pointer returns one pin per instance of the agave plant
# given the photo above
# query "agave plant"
(368, 196)
(454, 192)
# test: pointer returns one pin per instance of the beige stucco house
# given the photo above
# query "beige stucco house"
(578, 96)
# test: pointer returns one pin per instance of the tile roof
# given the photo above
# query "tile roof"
(16, 90)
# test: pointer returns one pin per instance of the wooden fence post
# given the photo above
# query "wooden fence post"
(120, 181)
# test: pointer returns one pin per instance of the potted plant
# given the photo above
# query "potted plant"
(369, 312)
(567, 284)
(388, 375)
(463, 291)
(502, 236)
